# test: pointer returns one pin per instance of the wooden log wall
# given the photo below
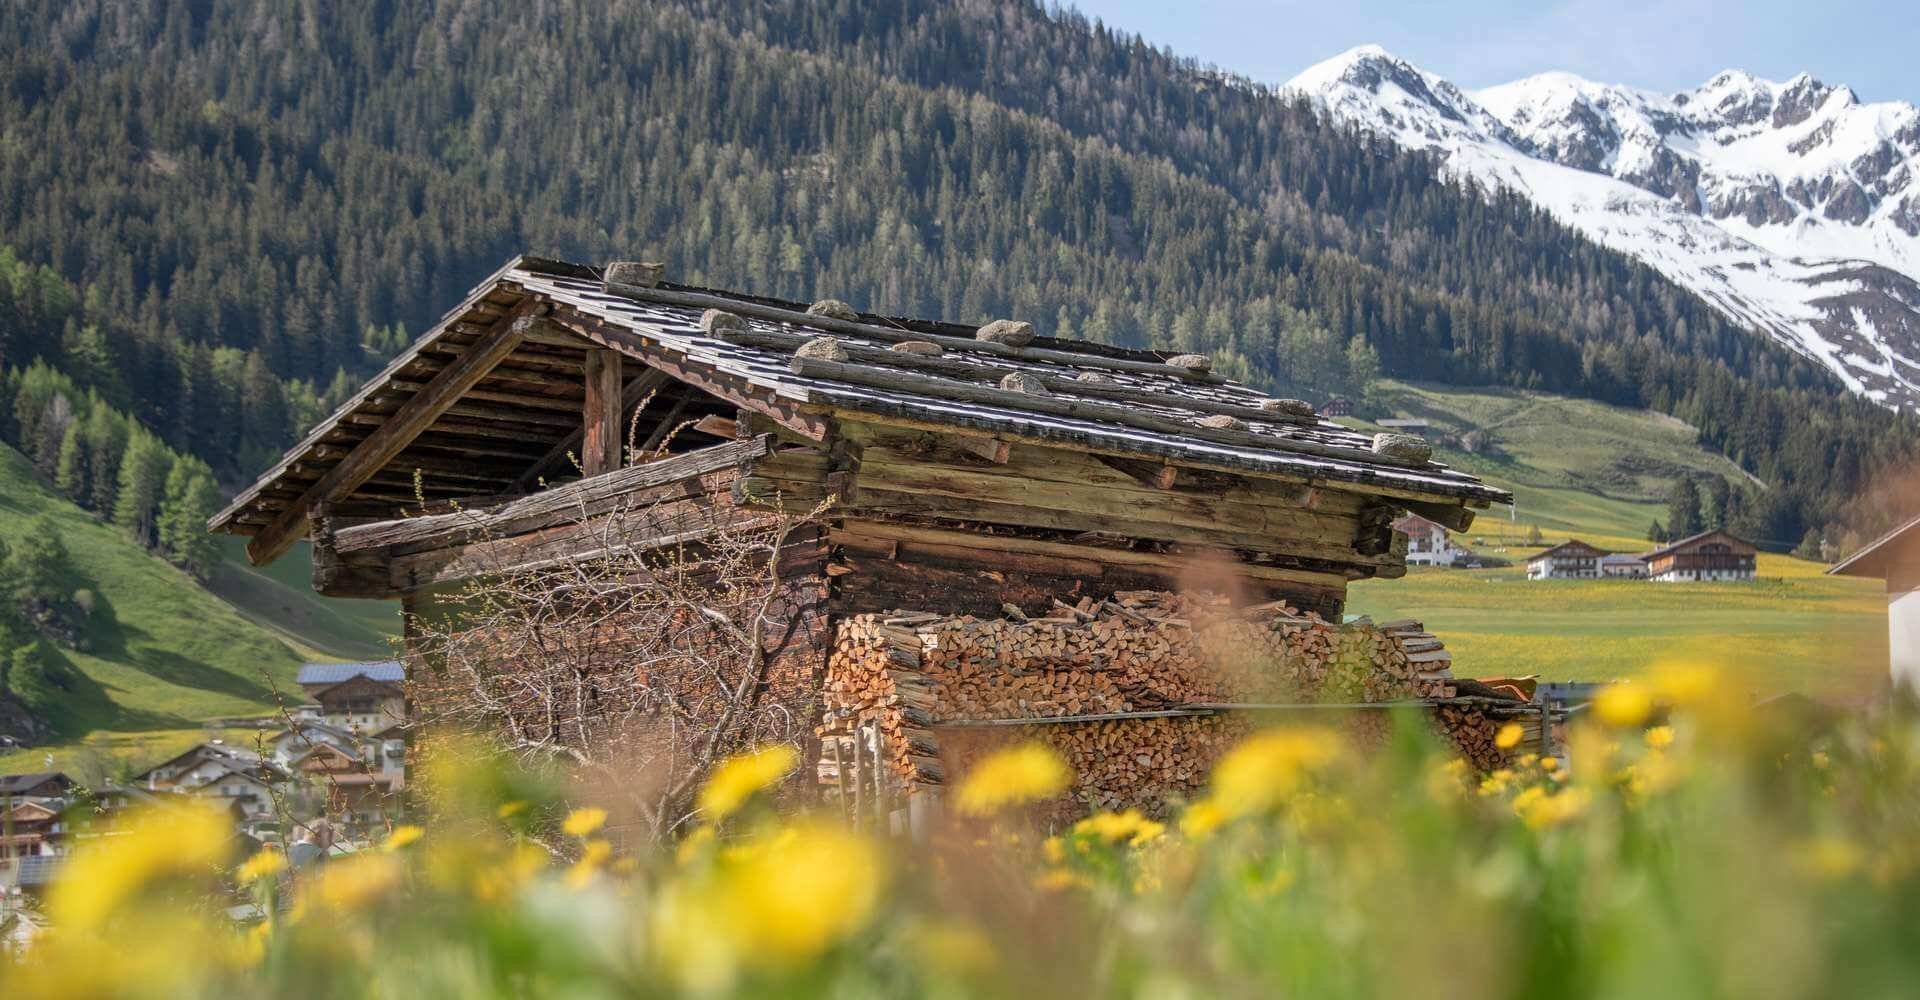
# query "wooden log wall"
(1158, 684)
(965, 523)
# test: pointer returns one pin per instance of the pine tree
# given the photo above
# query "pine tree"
(1683, 508)
(143, 476)
(190, 499)
(1656, 533)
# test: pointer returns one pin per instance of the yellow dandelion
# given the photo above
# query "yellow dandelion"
(1011, 777)
(777, 907)
(1549, 764)
(350, 885)
(1263, 770)
(1623, 705)
(402, 836)
(1054, 850)
(1557, 809)
(741, 777)
(584, 821)
(1202, 818)
(1130, 826)
(1509, 736)
(592, 855)
(266, 863)
(508, 810)
(1660, 737)
(165, 844)
(1820, 760)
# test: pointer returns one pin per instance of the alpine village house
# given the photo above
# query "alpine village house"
(964, 471)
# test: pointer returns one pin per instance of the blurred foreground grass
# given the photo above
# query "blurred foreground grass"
(1691, 845)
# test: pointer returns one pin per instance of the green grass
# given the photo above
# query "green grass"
(162, 654)
(1599, 473)
(279, 596)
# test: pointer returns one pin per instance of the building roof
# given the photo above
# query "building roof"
(1572, 547)
(20, 784)
(390, 671)
(1871, 560)
(1141, 406)
(1692, 540)
(1620, 559)
(37, 870)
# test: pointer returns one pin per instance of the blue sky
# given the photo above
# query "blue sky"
(1874, 47)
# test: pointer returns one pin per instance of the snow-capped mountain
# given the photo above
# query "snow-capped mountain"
(1792, 207)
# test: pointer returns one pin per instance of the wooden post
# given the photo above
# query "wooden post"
(600, 415)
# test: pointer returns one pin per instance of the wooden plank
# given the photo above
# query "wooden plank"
(541, 509)
(1000, 546)
(422, 409)
(600, 413)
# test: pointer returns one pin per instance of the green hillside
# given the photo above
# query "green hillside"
(161, 654)
(1600, 473)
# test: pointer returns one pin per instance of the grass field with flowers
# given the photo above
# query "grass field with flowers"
(1688, 845)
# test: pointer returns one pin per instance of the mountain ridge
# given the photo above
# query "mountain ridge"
(1790, 207)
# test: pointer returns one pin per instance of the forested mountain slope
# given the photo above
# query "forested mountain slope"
(260, 200)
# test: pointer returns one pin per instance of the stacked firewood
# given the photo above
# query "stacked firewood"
(1159, 662)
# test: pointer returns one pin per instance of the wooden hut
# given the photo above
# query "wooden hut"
(969, 467)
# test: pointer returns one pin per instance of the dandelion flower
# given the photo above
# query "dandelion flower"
(1014, 776)
(508, 810)
(741, 777)
(1509, 736)
(1660, 737)
(265, 864)
(1263, 770)
(594, 854)
(161, 844)
(1202, 818)
(1623, 706)
(1130, 826)
(402, 836)
(584, 821)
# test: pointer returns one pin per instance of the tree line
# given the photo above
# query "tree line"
(260, 201)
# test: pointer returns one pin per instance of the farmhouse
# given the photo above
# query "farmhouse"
(317, 677)
(1895, 558)
(1709, 555)
(956, 470)
(1621, 566)
(1428, 542)
(1572, 559)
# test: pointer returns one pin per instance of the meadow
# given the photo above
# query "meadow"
(1686, 845)
(1581, 469)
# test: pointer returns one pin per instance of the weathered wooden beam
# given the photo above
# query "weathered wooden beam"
(550, 507)
(600, 413)
(636, 391)
(1453, 517)
(562, 404)
(993, 450)
(1160, 475)
(718, 426)
(390, 438)
(811, 423)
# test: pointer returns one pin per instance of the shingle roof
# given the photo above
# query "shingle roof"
(1141, 404)
(17, 784)
(389, 671)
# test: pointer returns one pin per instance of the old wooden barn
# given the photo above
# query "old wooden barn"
(969, 468)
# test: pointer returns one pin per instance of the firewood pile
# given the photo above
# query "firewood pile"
(1158, 685)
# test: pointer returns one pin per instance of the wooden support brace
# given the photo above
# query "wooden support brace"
(600, 413)
(993, 450)
(1159, 475)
